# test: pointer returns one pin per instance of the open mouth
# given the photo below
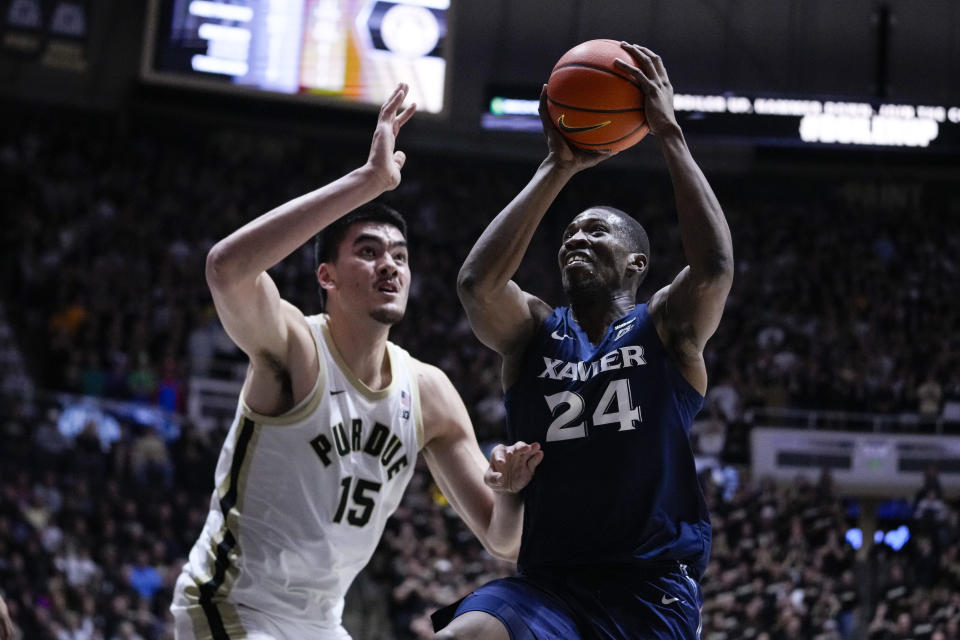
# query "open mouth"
(388, 286)
(576, 259)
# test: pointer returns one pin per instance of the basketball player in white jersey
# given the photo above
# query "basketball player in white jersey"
(330, 419)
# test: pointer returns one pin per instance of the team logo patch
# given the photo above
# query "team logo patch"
(623, 328)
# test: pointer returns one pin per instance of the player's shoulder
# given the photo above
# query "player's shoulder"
(657, 302)
(429, 377)
(435, 387)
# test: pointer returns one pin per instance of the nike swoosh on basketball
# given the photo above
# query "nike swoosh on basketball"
(557, 336)
(333, 393)
(568, 129)
(666, 600)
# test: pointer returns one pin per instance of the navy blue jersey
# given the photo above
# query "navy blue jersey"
(617, 483)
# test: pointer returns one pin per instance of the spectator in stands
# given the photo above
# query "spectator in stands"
(150, 459)
(929, 397)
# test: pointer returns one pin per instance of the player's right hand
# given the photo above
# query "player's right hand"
(385, 161)
(563, 154)
(511, 468)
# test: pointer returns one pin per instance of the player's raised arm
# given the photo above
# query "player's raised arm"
(485, 495)
(268, 329)
(502, 315)
(688, 310)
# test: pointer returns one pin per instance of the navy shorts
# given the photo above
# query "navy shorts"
(592, 604)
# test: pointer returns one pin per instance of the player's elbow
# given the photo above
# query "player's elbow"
(717, 268)
(469, 284)
(220, 267)
(508, 551)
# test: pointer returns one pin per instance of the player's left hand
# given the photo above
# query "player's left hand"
(511, 467)
(562, 153)
(648, 70)
(385, 161)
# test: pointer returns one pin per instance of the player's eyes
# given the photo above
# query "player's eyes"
(367, 252)
(401, 258)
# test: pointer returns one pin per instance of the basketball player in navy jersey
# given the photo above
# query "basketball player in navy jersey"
(616, 533)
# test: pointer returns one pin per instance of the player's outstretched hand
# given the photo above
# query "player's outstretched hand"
(563, 153)
(511, 468)
(385, 161)
(648, 70)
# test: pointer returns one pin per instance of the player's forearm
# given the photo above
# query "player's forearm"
(265, 241)
(703, 228)
(506, 524)
(497, 254)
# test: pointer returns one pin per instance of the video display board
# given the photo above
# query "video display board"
(347, 51)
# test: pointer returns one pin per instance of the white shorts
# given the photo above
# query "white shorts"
(223, 620)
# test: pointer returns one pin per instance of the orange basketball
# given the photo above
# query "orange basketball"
(593, 104)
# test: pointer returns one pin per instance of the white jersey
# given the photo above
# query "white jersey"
(302, 499)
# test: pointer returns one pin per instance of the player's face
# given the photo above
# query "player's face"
(593, 253)
(371, 272)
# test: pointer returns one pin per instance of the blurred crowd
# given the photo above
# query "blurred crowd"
(843, 299)
(91, 543)
(843, 296)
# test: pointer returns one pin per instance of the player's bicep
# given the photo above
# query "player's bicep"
(253, 314)
(507, 321)
(690, 307)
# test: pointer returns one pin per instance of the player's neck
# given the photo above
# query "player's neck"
(595, 314)
(362, 343)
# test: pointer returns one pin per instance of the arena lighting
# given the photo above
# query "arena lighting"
(854, 537)
(895, 538)
(836, 122)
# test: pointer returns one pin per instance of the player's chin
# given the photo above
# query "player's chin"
(389, 313)
(579, 280)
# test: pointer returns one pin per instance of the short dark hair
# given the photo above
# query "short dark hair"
(326, 244)
(636, 234)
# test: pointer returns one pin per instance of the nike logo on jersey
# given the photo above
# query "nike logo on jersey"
(624, 323)
(557, 336)
(622, 358)
(567, 128)
(665, 600)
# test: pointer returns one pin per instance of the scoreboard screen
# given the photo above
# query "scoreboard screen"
(346, 51)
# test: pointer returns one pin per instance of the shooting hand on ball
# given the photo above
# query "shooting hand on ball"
(648, 70)
(564, 154)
